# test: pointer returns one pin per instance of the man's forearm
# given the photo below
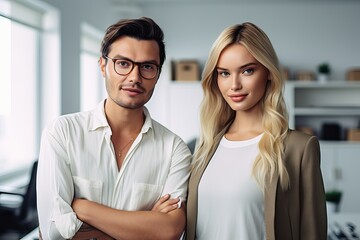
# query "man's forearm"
(129, 225)
(88, 232)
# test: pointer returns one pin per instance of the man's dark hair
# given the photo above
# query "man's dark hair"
(141, 28)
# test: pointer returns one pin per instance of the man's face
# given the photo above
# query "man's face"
(130, 90)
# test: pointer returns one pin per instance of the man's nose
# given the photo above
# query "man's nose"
(134, 75)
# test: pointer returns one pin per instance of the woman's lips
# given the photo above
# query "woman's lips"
(237, 97)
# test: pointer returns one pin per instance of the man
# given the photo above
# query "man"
(116, 157)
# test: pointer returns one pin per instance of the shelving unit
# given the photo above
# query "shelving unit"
(311, 104)
(340, 162)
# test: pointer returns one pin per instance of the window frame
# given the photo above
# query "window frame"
(47, 103)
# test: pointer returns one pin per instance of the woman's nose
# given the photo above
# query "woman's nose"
(236, 83)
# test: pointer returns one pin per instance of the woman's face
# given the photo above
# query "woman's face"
(241, 78)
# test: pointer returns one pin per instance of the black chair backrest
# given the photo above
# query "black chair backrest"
(28, 208)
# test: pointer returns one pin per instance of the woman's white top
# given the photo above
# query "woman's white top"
(230, 203)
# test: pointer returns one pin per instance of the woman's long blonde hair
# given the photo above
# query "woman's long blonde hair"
(216, 115)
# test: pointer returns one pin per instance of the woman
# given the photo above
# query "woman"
(252, 177)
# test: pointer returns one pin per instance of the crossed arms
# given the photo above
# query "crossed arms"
(164, 221)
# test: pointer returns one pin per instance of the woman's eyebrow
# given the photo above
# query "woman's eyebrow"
(243, 66)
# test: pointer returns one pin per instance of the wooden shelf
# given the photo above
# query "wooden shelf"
(326, 111)
(311, 104)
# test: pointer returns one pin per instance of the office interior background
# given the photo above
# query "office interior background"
(50, 48)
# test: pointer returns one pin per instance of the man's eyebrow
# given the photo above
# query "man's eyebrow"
(120, 57)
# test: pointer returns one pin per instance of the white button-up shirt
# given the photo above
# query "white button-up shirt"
(77, 160)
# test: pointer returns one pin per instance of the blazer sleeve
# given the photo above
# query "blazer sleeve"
(313, 217)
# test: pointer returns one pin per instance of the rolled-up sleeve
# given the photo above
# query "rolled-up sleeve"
(177, 180)
(55, 187)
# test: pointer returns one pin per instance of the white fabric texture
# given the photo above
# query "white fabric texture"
(230, 203)
(77, 160)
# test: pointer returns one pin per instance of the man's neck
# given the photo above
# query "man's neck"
(124, 120)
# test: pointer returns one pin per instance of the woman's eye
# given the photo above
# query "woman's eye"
(248, 71)
(223, 74)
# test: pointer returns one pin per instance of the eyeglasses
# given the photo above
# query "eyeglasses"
(124, 67)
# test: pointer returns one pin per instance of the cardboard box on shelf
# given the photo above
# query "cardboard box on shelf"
(353, 135)
(305, 76)
(353, 74)
(185, 70)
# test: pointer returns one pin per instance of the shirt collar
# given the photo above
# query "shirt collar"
(98, 119)
(148, 121)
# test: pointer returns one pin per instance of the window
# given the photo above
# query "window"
(91, 84)
(23, 39)
(19, 116)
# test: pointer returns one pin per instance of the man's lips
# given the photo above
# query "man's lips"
(132, 92)
(131, 89)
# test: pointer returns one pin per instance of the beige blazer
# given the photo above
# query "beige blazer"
(296, 214)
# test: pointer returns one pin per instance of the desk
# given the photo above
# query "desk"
(340, 222)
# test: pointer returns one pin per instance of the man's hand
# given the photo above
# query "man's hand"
(165, 204)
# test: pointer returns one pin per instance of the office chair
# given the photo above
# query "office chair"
(20, 216)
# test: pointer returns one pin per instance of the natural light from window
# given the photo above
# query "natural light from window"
(19, 92)
(92, 85)
(5, 68)
(24, 62)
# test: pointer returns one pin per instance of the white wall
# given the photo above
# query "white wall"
(303, 34)
(98, 14)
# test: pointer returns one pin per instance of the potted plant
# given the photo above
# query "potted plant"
(324, 71)
(333, 194)
(333, 198)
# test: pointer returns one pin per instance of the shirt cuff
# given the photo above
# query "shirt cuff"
(67, 224)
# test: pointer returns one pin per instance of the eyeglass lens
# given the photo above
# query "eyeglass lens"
(124, 67)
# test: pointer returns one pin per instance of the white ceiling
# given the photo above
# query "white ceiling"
(136, 6)
(132, 8)
(149, 2)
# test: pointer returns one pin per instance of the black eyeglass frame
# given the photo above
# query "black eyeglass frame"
(133, 65)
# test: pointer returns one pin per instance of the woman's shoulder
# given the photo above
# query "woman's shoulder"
(299, 140)
(298, 136)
